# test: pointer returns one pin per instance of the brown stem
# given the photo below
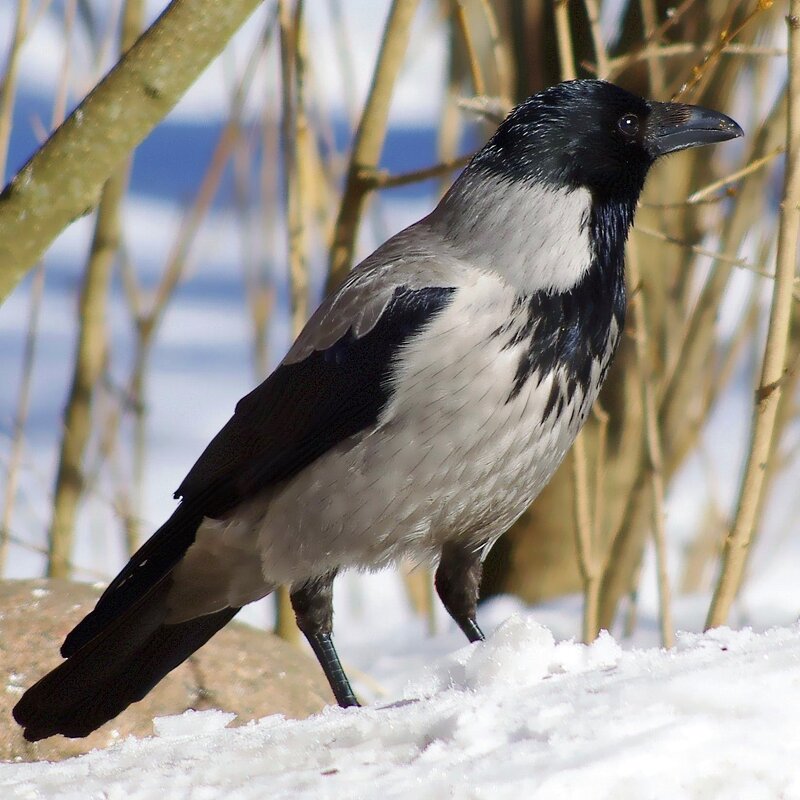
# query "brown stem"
(566, 54)
(652, 450)
(92, 346)
(768, 395)
(8, 84)
(369, 137)
(23, 405)
(65, 177)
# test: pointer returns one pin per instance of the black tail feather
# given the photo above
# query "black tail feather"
(116, 668)
(148, 566)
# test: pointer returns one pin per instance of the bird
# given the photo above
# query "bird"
(419, 412)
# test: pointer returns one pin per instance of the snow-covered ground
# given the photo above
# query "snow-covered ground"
(520, 716)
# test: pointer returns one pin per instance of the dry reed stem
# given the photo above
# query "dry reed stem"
(450, 122)
(696, 336)
(753, 166)
(493, 109)
(587, 520)
(344, 55)
(774, 364)
(89, 363)
(634, 512)
(379, 179)
(502, 60)
(59, 106)
(8, 85)
(600, 52)
(478, 83)
(587, 562)
(148, 316)
(369, 137)
(92, 345)
(725, 258)
(65, 176)
(259, 292)
(293, 128)
(655, 66)
(24, 544)
(725, 38)
(619, 64)
(652, 449)
(21, 416)
(566, 54)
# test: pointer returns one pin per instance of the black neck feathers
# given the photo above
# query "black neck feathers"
(569, 331)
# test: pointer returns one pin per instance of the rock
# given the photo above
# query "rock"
(241, 670)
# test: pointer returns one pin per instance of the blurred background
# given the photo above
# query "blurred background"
(125, 350)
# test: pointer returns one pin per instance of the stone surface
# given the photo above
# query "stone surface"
(243, 670)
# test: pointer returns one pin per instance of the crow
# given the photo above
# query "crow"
(420, 411)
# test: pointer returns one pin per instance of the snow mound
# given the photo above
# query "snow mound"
(518, 716)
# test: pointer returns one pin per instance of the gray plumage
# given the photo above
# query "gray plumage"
(448, 455)
(421, 410)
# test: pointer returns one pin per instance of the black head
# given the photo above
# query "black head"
(594, 134)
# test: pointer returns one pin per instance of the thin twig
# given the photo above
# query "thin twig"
(499, 50)
(599, 509)
(293, 130)
(566, 54)
(18, 541)
(588, 565)
(379, 179)
(584, 545)
(753, 166)
(490, 108)
(734, 261)
(92, 346)
(344, 53)
(668, 23)
(655, 68)
(71, 168)
(478, 83)
(148, 316)
(23, 405)
(725, 38)
(370, 135)
(619, 64)
(8, 85)
(774, 366)
(600, 52)
(653, 451)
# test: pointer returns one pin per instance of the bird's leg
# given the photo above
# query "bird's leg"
(312, 602)
(457, 582)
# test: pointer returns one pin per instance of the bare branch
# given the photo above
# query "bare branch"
(65, 176)
(774, 366)
(370, 135)
(566, 54)
(8, 84)
(92, 345)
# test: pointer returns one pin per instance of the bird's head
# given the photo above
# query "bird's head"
(595, 135)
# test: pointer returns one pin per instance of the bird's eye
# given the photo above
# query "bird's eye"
(629, 125)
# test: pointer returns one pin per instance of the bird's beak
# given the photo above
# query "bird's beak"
(676, 126)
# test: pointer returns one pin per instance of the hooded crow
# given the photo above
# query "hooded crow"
(421, 410)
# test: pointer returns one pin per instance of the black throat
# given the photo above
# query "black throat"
(569, 331)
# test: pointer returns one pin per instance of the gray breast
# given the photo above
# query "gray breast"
(455, 454)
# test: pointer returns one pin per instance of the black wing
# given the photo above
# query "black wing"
(298, 413)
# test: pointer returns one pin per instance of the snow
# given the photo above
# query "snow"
(520, 715)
